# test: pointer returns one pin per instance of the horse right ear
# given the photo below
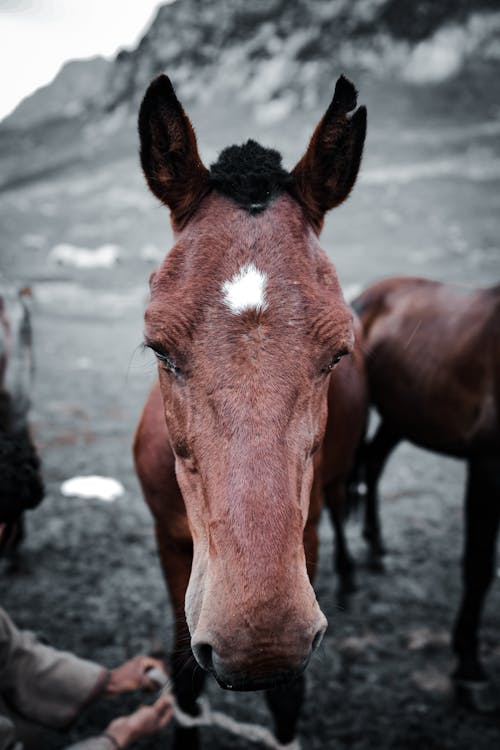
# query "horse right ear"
(325, 175)
(169, 153)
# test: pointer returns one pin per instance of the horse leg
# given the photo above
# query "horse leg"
(482, 514)
(376, 454)
(187, 675)
(335, 497)
(285, 703)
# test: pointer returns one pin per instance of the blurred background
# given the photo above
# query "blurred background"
(80, 228)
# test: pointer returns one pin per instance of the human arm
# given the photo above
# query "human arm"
(42, 684)
(51, 687)
(125, 730)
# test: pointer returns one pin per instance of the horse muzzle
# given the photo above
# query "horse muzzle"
(260, 666)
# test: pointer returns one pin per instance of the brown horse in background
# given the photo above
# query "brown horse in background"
(257, 357)
(433, 364)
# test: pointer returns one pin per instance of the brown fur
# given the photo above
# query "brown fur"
(440, 344)
(433, 363)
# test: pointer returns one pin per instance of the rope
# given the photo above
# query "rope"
(251, 732)
(209, 718)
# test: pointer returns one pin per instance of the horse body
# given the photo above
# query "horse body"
(248, 321)
(439, 343)
(433, 364)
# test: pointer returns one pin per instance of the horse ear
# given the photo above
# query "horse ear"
(323, 178)
(169, 153)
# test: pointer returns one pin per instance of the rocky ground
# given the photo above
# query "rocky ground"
(426, 203)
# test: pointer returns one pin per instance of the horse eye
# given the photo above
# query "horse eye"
(166, 359)
(335, 360)
(169, 363)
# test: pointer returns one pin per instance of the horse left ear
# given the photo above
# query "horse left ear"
(169, 153)
(325, 175)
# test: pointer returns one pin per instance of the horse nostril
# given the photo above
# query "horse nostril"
(203, 655)
(317, 639)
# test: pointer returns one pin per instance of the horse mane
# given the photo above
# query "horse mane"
(251, 175)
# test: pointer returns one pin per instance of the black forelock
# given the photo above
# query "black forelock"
(251, 175)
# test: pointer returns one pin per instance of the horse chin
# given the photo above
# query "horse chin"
(246, 682)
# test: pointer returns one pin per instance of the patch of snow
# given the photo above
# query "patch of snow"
(104, 256)
(93, 486)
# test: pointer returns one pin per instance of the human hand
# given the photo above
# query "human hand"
(133, 675)
(145, 721)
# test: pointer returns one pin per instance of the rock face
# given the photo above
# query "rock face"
(281, 53)
(277, 54)
(78, 85)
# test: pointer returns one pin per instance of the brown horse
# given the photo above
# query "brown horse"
(433, 363)
(247, 320)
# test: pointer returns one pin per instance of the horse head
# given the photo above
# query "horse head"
(247, 320)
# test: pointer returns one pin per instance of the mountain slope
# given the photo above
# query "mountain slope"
(78, 84)
(275, 53)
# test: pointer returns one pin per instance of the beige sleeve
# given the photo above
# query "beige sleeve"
(42, 684)
(93, 743)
